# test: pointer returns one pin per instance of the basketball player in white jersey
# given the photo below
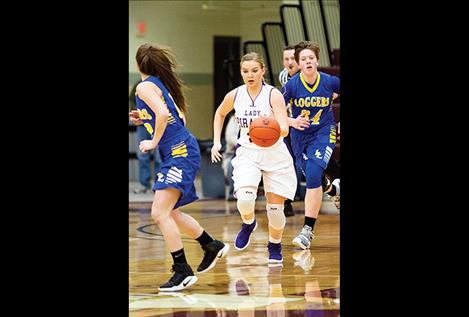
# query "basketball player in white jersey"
(251, 162)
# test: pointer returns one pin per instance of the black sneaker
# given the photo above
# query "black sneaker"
(183, 278)
(214, 251)
(288, 209)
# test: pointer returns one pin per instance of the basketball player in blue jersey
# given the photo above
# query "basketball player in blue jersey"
(311, 94)
(290, 70)
(160, 108)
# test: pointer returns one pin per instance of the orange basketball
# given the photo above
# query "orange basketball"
(264, 131)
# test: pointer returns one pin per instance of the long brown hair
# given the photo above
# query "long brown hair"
(161, 62)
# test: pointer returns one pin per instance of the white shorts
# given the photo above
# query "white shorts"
(274, 165)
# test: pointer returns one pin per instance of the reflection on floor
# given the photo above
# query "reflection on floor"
(241, 284)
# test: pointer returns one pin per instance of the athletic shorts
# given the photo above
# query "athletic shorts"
(275, 166)
(179, 166)
(315, 149)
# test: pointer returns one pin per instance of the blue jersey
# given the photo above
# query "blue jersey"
(314, 102)
(314, 145)
(175, 126)
(178, 148)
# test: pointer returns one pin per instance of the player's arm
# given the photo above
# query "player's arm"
(151, 95)
(287, 96)
(299, 123)
(223, 109)
(280, 111)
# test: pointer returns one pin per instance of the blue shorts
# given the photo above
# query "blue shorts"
(314, 148)
(180, 163)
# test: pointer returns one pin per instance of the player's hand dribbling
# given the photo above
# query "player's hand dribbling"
(216, 156)
(134, 117)
(300, 123)
(147, 145)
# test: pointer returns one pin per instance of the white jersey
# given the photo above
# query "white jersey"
(247, 110)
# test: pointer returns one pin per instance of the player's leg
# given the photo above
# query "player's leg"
(313, 201)
(313, 163)
(277, 220)
(163, 203)
(246, 178)
(213, 249)
(245, 202)
(280, 184)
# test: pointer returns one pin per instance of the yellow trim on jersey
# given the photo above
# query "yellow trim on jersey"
(171, 119)
(306, 84)
(332, 135)
(148, 127)
(179, 150)
(143, 114)
(181, 115)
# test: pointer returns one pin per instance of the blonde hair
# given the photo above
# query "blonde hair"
(252, 56)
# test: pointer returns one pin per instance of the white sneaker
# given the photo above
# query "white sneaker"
(336, 183)
(303, 240)
(336, 198)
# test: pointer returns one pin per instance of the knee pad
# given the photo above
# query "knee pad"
(313, 175)
(276, 216)
(246, 200)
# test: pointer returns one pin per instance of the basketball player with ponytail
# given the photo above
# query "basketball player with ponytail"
(160, 108)
(251, 162)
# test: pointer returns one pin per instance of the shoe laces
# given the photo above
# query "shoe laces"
(177, 270)
(307, 231)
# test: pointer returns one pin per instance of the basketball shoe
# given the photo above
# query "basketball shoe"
(303, 240)
(183, 278)
(244, 236)
(214, 251)
(275, 254)
(336, 198)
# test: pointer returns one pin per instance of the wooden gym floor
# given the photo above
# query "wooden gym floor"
(241, 284)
